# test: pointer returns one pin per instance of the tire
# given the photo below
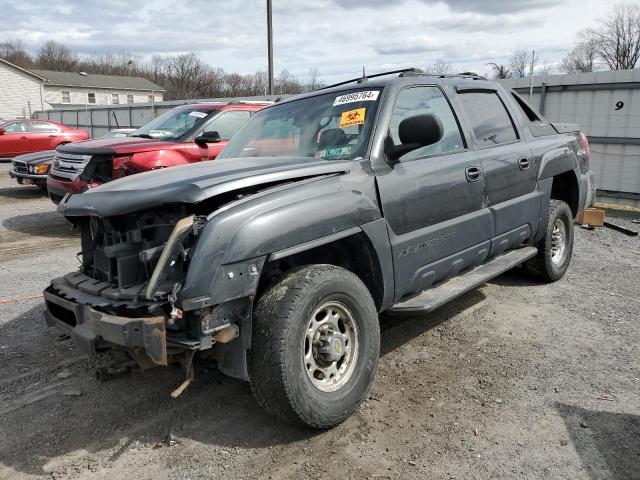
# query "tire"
(287, 369)
(550, 265)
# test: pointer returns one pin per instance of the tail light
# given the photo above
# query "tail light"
(585, 152)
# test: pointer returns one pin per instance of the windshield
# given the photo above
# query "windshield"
(332, 126)
(172, 124)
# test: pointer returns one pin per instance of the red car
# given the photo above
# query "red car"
(185, 134)
(22, 136)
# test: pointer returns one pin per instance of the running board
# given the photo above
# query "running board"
(437, 296)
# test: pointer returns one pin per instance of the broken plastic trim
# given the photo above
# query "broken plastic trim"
(183, 225)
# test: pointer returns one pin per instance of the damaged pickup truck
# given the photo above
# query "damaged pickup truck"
(393, 194)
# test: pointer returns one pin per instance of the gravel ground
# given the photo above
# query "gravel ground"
(512, 380)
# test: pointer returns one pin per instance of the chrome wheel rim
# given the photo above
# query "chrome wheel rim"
(558, 242)
(330, 347)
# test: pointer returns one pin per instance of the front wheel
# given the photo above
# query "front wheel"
(556, 247)
(315, 346)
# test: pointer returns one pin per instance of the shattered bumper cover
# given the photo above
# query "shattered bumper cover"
(73, 312)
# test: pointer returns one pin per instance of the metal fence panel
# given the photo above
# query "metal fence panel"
(100, 119)
(606, 105)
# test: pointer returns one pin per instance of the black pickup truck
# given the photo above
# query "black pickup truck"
(395, 194)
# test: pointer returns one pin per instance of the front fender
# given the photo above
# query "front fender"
(294, 224)
(234, 244)
(143, 161)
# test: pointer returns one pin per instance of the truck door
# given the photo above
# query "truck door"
(507, 163)
(433, 198)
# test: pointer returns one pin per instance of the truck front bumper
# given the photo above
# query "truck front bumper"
(58, 187)
(91, 328)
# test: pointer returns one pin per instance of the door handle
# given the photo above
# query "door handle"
(523, 163)
(473, 174)
(23, 138)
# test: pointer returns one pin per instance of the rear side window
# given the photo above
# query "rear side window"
(489, 118)
(538, 126)
(43, 127)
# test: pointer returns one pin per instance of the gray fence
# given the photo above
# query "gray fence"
(98, 120)
(606, 105)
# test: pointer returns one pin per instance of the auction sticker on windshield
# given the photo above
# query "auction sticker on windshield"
(363, 96)
(195, 113)
(352, 117)
(333, 152)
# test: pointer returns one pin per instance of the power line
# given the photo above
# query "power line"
(500, 57)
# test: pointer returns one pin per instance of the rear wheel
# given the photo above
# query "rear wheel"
(315, 346)
(556, 247)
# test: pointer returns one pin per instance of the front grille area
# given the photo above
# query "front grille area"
(69, 166)
(123, 251)
(20, 167)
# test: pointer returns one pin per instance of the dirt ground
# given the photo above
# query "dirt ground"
(513, 380)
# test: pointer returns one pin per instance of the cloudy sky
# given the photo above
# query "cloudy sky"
(336, 36)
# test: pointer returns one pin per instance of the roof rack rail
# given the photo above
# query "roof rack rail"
(242, 102)
(364, 77)
(471, 75)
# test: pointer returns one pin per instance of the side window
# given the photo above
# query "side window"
(431, 101)
(44, 127)
(91, 97)
(537, 125)
(228, 123)
(489, 118)
(15, 127)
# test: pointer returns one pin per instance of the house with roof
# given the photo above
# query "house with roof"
(24, 91)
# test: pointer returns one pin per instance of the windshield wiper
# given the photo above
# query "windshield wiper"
(141, 135)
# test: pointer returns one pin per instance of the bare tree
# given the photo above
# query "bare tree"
(581, 59)
(186, 75)
(55, 56)
(521, 63)
(183, 76)
(312, 83)
(500, 71)
(440, 67)
(15, 52)
(617, 40)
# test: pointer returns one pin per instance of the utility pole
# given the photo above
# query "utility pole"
(270, 46)
(533, 59)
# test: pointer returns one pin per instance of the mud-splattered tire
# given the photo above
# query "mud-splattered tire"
(556, 247)
(315, 346)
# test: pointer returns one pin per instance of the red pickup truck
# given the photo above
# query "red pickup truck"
(185, 134)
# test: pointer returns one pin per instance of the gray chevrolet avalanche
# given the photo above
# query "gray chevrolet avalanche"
(394, 195)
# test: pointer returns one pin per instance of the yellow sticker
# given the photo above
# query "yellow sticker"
(352, 117)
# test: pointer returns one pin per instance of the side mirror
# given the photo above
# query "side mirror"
(208, 137)
(2, 131)
(414, 132)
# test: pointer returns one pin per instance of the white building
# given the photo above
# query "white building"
(25, 91)
(21, 91)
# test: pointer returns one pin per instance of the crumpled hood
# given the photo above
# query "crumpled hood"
(190, 184)
(111, 146)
